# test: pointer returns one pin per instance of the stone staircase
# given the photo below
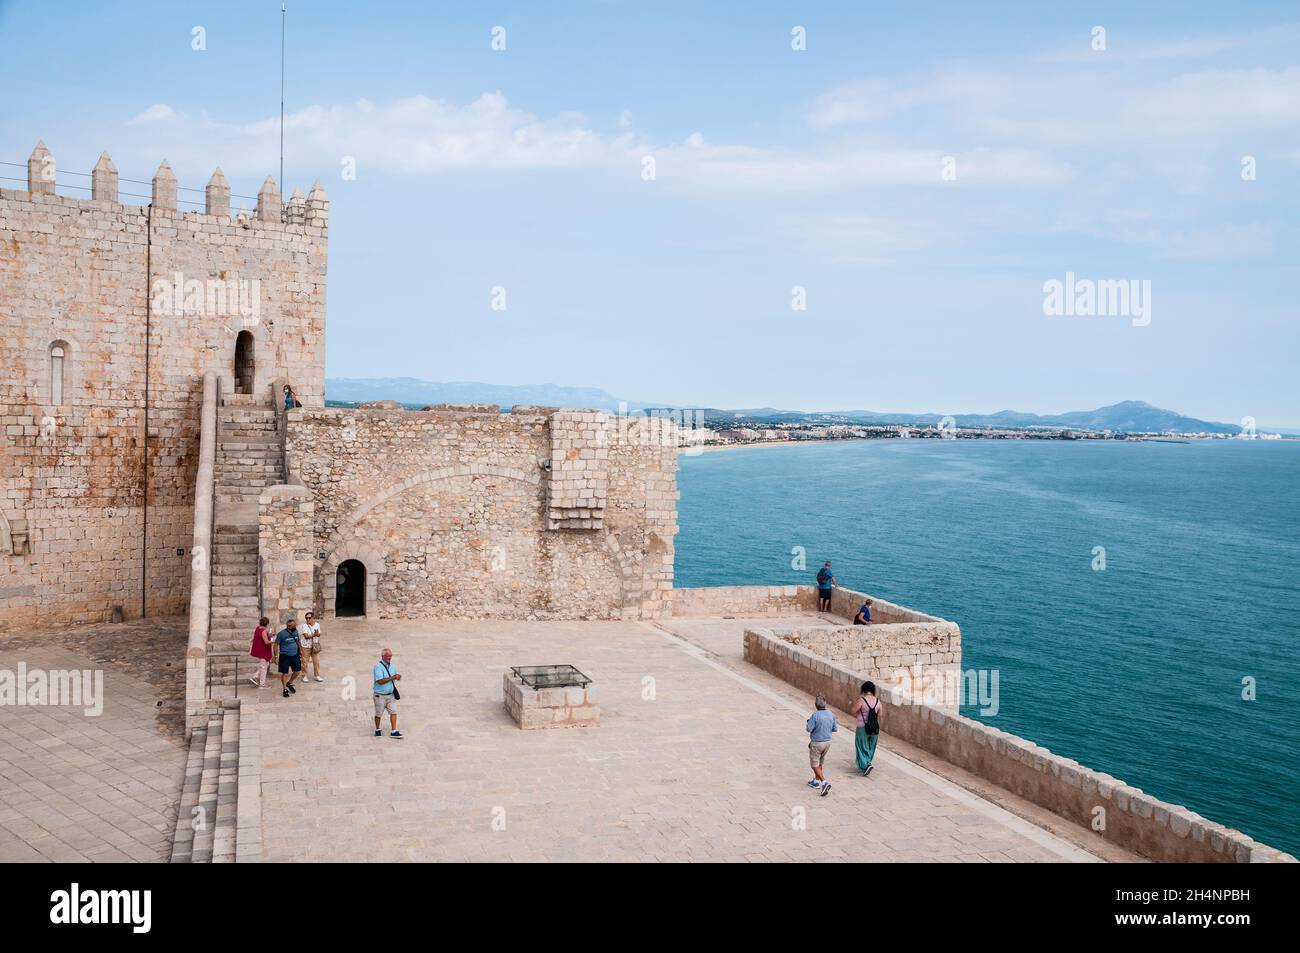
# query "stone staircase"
(250, 452)
(211, 784)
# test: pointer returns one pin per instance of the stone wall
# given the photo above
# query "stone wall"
(472, 513)
(1129, 818)
(756, 601)
(880, 650)
(284, 544)
(742, 601)
(85, 287)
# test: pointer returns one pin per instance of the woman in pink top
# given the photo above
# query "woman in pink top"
(260, 649)
(867, 711)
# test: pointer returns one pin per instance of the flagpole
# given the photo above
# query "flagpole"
(282, 18)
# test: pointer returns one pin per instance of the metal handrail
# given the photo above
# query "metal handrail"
(234, 655)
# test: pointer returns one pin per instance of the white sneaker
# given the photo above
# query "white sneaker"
(319, 679)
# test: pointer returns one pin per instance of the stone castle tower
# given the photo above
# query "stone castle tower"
(150, 466)
(110, 314)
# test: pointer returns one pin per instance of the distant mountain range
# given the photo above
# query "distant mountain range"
(1130, 416)
(408, 390)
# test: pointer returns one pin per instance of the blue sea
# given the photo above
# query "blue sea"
(1137, 670)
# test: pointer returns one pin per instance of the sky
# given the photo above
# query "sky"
(683, 208)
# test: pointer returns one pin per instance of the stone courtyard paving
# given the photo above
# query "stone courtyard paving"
(95, 788)
(697, 756)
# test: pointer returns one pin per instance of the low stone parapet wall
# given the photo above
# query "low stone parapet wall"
(758, 601)
(196, 650)
(743, 601)
(1112, 809)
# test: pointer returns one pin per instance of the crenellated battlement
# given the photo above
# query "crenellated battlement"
(311, 212)
(110, 316)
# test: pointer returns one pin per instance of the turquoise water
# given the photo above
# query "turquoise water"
(1135, 670)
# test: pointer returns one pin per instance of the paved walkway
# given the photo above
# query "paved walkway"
(78, 787)
(698, 757)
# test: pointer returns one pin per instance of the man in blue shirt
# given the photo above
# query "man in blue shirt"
(821, 724)
(825, 583)
(290, 665)
(386, 694)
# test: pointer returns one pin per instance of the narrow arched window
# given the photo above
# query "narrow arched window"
(58, 365)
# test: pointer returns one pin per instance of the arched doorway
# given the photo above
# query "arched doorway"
(244, 363)
(350, 589)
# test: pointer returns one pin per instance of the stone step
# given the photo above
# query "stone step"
(263, 454)
(222, 590)
(249, 458)
(242, 563)
(252, 442)
(223, 842)
(183, 836)
(240, 477)
(247, 603)
(233, 549)
(227, 570)
(205, 835)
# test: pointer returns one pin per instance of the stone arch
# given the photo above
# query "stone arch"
(245, 362)
(368, 554)
(262, 347)
(430, 476)
(627, 569)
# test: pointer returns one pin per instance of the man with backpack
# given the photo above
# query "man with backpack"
(825, 583)
(867, 711)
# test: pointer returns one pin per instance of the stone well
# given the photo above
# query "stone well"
(549, 696)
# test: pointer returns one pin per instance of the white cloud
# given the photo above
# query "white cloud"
(158, 112)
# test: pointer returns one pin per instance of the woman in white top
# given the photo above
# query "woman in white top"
(310, 639)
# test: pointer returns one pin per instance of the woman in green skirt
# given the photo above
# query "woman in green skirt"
(867, 711)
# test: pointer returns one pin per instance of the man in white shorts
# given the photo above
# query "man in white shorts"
(386, 694)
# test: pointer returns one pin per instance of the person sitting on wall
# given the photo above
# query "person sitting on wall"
(290, 398)
(825, 583)
(864, 614)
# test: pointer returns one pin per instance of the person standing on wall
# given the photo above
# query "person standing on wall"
(867, 711)
(311, 646)
(825, 584)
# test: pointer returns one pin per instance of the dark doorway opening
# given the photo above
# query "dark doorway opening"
(350, 589)
(244, 363)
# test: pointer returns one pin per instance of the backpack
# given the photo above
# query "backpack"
(871, 720)
(823, 575)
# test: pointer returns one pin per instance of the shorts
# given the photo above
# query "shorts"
(817, 752)
(824, 593)
(290, 663)
(385, 703)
